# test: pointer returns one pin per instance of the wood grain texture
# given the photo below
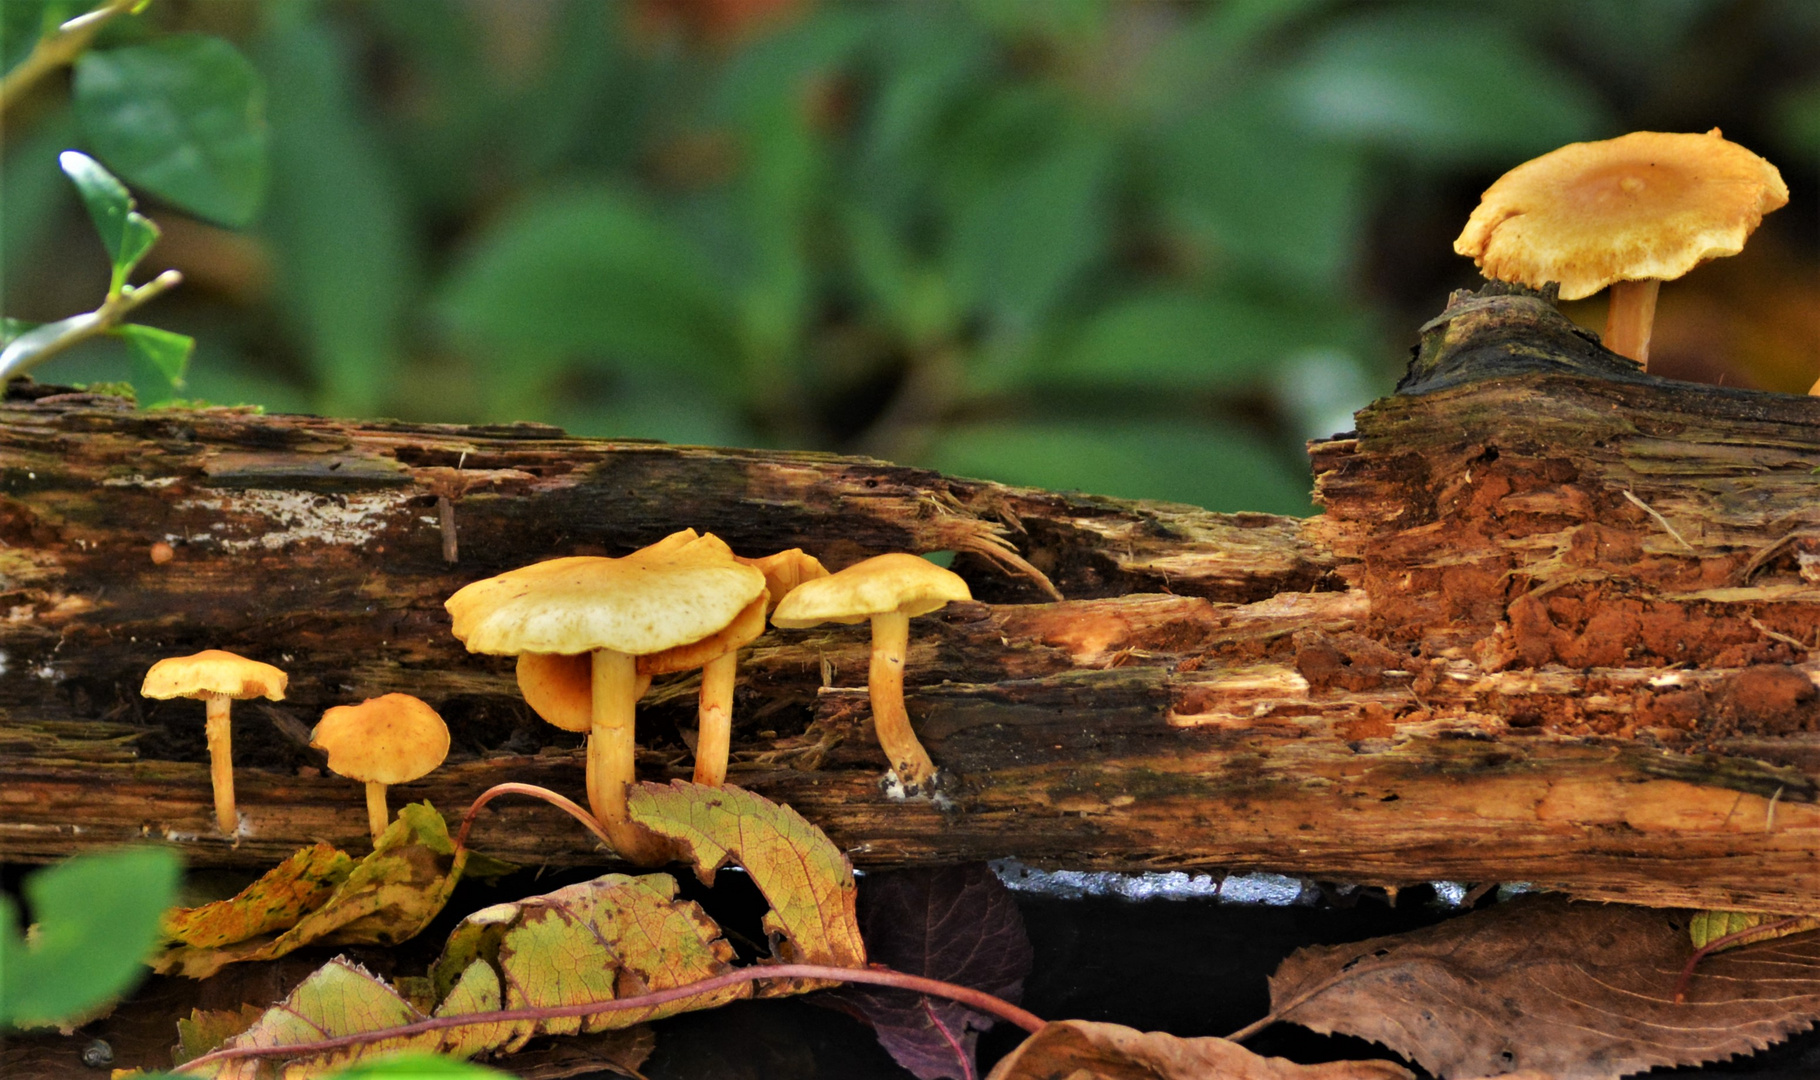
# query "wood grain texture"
(1558, 624)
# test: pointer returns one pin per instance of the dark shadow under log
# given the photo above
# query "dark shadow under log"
(1560, 623)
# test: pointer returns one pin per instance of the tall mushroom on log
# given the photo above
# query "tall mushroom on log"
(391, 739)
(217, 677)
(1630, 212)
(888, 590)
(613, 610)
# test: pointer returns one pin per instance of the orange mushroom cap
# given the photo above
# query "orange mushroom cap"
(392, 739)
(1646, 205)
(213, 671)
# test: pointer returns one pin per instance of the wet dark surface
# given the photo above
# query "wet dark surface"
(1191, 967)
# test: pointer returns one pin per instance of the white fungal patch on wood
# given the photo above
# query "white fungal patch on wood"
(301, 517)
(140, 481)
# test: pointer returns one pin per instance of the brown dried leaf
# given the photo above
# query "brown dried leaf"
(1575, 991)
(1094, 1051)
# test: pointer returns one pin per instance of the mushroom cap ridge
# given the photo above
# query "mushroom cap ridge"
(884, 583)
(643, 603)
(391, 739)
(213, 671)
(1646, 205)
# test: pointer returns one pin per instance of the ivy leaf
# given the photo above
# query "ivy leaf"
(955, 923)
(96, 918)
(168, 353)
(803, 876)
(182, 117)
(126, 233)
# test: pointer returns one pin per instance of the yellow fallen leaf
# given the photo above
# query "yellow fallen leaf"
(275, 902)
(803, 876)
(386, 898)
(1709, 926)
(339, 998)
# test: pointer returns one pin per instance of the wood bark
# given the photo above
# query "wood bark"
(1559, 623)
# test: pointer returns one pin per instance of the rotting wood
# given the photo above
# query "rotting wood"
(1486, 661)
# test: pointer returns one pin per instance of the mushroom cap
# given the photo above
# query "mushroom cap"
(747, 625)
(214, 671)
(561, 688)
(785, 570)
(884, 583)
(386, 740)
(1646, 205)
(646, 602)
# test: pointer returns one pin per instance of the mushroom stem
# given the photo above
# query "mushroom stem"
(612, 754)
(1630, 317)
(377, 815)
(714, 736)
(890, 641)
(221, 760)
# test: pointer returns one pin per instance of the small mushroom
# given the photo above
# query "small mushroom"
(612, 610)
(1630, 212)
(718, 657)
(391, 739)
(784, 571)
(217, 677)
(888, 590)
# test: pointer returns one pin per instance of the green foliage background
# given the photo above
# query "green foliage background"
(1140, 248)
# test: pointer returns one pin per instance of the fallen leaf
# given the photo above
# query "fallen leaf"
(1574, 991)
(596, 940)
(1709, 926)
(1094, 1051)
(618, 1052)
(283, 895)
(339, 998)
(208, 1029)
(955, 923)
(803, 876)
(386, 898)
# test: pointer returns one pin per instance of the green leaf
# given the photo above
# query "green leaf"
(96, 921)
(413, 1066)
(126, 233)
(23, 22)
(166, 352)
(338, 219)
(591, 272)
(1182, 340)
(1261, 195)
(182, 117)
(1213, 467)
(1450, 88)
(1022, 240)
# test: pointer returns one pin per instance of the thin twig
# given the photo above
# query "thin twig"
(79, 328)
(568, 806)
(1775, 635)
(1662, 521)
(59, 49)
(966, 995)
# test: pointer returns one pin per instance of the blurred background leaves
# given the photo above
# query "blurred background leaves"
(1139, 248)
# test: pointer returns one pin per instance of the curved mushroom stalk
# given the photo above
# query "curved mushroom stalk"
(890, 642)
(1631, 317)
(612, 756)
(714, 733)
(220, 734)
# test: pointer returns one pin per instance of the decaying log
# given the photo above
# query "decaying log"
(1560, 623)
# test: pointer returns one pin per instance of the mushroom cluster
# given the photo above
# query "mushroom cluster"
(589, 634)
